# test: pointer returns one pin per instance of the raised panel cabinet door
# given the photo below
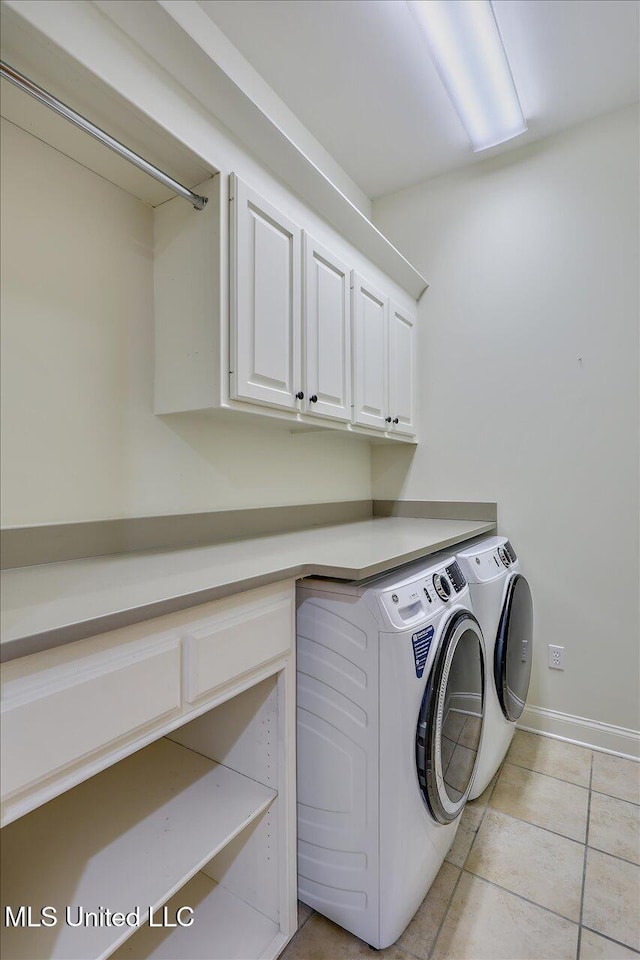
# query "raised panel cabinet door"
(402, 376)
(57, 716)
(224, 647)
(327, 332)
(370, 349)
(265, 301)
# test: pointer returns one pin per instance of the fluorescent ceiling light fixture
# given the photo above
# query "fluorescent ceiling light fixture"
(469, 55)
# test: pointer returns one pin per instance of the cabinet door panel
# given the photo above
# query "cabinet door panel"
(402, 369)
(265, 301)
(370, 341)
(327, 326)
(226, 646)
(54, 720)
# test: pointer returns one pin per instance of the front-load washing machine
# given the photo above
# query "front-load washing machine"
(390, 715)
(501, 600)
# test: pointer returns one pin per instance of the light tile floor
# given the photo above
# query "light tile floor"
(545, 864)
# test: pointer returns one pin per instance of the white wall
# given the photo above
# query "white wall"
(528, 360)
(79, 439)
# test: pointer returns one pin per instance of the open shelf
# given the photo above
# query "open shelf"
(129, 837)
(29, 51)
(224, 928)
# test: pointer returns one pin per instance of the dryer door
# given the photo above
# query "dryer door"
(451, 718)
(514, 648)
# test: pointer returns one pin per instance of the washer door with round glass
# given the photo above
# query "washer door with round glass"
(451, 718)
(514, 648)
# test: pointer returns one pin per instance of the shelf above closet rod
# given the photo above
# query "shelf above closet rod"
(28, 86)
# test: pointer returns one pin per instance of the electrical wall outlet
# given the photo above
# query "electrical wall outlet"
(556, 657)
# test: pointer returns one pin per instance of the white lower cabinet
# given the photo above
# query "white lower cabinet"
(183, 848)
(114, 692)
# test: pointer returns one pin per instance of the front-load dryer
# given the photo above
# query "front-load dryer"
(501, 600)
(390, 715)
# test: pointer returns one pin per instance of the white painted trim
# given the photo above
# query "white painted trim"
(605, 737)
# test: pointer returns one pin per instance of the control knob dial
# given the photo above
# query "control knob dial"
(442, 586)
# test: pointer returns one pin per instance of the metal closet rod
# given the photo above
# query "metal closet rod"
(23, 83)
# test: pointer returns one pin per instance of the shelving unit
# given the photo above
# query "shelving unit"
(226, 927)
(214, 805)
(167, 826)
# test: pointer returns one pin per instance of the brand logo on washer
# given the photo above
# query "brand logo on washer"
(421, 642)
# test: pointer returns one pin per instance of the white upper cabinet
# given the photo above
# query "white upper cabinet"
(370, 348)
(384, 365)
(327, 333)
(265, 301)
(402, 378)
(302, 337)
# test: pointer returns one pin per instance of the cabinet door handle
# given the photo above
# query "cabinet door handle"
(313, 398)
(396, 420)
(387, 419)
(299, 395)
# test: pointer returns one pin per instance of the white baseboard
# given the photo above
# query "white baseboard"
(587, 733)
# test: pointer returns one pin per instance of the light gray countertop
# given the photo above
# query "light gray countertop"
(51, 604)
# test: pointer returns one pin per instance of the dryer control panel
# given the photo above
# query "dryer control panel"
(489, 562)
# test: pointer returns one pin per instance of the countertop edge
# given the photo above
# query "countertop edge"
(27, 645)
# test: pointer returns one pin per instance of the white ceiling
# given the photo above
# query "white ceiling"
(358, 75)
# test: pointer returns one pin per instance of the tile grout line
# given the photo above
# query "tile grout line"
(578, 923)
(305, 921)
(614, 856)
(506, 889)
(610, 939)
(462, 870)
(445, 914)
(522, 766)
(554, 833)
(398, 946)
(611, 796)
(584, 865)
(520, 896)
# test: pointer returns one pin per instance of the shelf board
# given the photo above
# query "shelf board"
(156, 39)
(185, 41)
(224, 928)
(129, 837)
(26, 49)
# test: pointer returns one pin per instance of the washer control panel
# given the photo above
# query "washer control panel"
(442, 586)
(424, 595)
(404, 603)
(456, 576)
